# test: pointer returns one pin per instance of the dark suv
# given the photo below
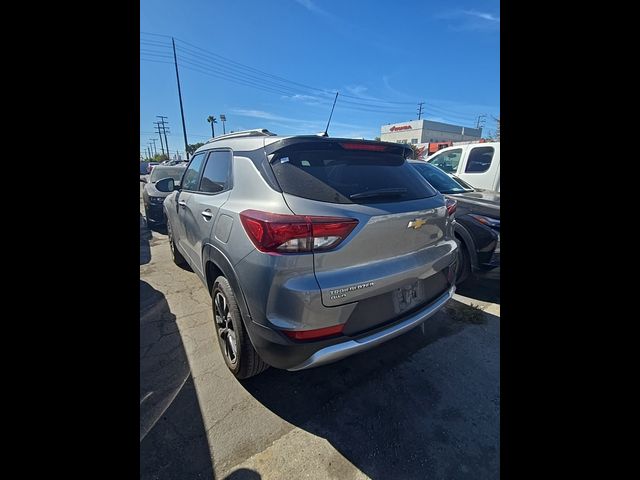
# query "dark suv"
(477, 220)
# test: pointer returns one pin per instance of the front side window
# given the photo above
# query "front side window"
(479, 160)
(217, 172)
(447, 161)
(191, 176)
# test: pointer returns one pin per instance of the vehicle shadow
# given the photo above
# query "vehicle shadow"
(482, 286)
(382, 409)
(145, 238)
(161, 229)
(173, 440)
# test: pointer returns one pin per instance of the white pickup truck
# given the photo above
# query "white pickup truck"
(478, 164)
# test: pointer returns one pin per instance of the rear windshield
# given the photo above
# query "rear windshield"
(165, 172)
(348, 176)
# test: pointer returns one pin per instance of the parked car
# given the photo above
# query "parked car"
(151, 166)
(477, 220)
(478, 164)
(313, 248)
(152, 197)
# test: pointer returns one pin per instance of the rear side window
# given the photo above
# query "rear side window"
(217, 172)
(447, 161)
(341, 176)
(192, 175)
(479, 160)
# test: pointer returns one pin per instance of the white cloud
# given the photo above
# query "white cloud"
(484, 16)
(297, 125)
(258, 114)
(312, 7)
(471, 20)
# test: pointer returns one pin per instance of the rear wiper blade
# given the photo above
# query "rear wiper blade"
(381, 192)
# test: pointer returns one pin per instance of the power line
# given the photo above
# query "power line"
(261, 83)
(420, 104)
(452, 118)
(242, 67)
(208, 63)
(279, 82)
(208, 71)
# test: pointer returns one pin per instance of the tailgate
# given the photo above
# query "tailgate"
(394, 246)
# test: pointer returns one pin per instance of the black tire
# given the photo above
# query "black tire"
(464, 263)
(244, 361)
(177, 257)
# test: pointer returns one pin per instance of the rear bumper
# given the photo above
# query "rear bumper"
(342, 350)
(281, 352)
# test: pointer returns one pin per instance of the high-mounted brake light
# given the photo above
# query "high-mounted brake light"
(278, 233)
(314, 334)
(364, 146)
(451, 205)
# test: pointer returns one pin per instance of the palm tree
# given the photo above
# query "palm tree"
(211, 119)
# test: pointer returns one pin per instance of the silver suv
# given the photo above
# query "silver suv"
(313, 248)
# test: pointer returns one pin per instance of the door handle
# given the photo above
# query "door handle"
(182, 203)
(207, 214)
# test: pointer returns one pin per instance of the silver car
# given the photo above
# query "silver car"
(313, 248)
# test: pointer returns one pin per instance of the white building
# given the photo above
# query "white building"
(426, 131)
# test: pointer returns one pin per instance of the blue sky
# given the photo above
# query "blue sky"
(383, 57)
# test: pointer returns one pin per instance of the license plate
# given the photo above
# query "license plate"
(407, 297)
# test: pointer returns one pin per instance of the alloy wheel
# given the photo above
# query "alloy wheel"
(224, 324)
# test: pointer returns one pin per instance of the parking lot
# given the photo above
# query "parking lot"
(424, 405)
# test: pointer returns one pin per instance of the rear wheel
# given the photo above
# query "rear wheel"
(177, 257)
(237, 350)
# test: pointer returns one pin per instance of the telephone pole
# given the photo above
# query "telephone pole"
(497, 127)
(480, 118)
(155, 152)
(184, 128)
(420, 110)
(157, 124)
(164, 130)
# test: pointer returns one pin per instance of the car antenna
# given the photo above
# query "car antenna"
(325, 134)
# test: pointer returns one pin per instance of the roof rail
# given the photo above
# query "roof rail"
(260, 132)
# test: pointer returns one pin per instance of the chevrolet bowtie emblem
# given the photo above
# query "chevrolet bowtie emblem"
(416, 224)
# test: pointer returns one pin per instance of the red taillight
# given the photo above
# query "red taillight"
(451, 205)
(314, 334)
(278, 233)
(371, 147)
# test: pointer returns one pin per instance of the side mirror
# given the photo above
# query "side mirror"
(166, 185)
